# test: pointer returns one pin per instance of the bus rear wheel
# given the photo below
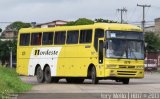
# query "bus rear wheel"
(125, 80)
(40, 75)
(47, 75)
(94, 76)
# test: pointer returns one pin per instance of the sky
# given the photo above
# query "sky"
(49, 10)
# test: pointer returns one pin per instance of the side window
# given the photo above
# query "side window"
(72, 37)
(24, 39)
(98, 34)
(47, 38)
(36, 38)
(85, 36)
(60, 37)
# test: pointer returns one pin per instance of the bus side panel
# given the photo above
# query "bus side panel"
(75, 60)
(68, 62)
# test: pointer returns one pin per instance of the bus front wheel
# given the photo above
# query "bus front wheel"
(94, 76)
(40, 75)
(47, 75)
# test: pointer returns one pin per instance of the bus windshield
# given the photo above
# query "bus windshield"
(125, 47)
(125, 35)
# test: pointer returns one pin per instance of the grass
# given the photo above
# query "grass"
(11, 83)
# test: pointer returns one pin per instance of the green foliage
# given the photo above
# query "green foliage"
(0, 30)
(5, 50)
(10, 82)
(153, 41)
(105, 21)
(80, 21)
(84, 21)
(16, 26)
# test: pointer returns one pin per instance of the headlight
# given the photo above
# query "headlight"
(111, 66)
(139, 67)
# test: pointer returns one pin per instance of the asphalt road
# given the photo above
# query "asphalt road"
(62, 90)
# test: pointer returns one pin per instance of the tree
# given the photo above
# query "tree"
(0, 30)
(5, 50)
(84, 21)
(153, 41)
(105, 20)
(80, 21)
(16, 26)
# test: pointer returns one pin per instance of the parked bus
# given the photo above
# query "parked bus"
(98, 51)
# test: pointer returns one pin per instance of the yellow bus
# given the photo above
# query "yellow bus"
(98, 51)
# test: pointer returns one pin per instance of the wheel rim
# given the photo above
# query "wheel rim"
(93, 75)
(39, 74)
(47, 75)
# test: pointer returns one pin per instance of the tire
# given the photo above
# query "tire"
(125, 81)
(47, 75)
(40, 75)
(94, 76)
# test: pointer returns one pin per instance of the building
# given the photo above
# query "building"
(157, 25)
(8, 35)
(150, 28)
(154, 28)
(11, 34)
(52, 24)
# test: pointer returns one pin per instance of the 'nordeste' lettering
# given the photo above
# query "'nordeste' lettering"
(48, 52)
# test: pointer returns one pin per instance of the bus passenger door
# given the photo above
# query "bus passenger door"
(101, 67)
(100, 51)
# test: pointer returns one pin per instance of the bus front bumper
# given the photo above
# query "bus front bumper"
(124, 73)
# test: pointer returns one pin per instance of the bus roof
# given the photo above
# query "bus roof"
(105, 26)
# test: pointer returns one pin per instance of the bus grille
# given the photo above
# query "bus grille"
(126, 72)
(122, 66)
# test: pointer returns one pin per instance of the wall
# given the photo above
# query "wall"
(157, 25)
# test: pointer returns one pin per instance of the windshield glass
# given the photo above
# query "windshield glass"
(125, 35)
(121, 48)
(135, 50)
